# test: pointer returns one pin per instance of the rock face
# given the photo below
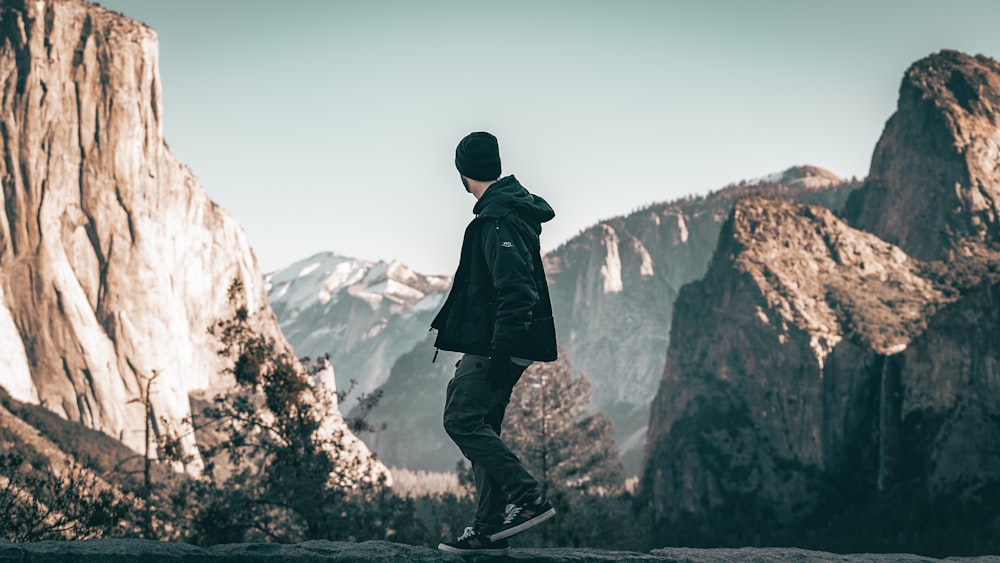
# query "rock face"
(366, 315)
(934, 180)
(767, 358)
(821, 376)
(113, 260)
(613, 288)
(946, 405)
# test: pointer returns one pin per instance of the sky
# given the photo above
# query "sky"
(331, 125)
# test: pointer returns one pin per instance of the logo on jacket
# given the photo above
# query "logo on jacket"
(507, 244)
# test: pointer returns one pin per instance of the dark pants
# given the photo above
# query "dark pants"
(473, 412)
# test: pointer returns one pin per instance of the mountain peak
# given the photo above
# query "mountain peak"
(327, 276)
(809, 176)
(934, 184)
(963, 82)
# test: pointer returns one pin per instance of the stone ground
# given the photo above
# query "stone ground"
(145, 551)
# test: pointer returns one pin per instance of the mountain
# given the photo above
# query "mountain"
(410, 409)
(113, 260)
(365, 315)
(613, 288)
(822, 382)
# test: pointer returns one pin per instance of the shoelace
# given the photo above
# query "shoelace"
(469, 532)
(512, 512)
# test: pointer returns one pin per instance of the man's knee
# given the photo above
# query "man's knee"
(458, 427)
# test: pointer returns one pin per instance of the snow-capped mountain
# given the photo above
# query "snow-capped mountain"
(364, 314)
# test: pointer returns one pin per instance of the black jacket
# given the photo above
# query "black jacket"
(499, 301)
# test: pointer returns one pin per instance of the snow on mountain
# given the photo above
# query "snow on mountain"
(364, 314)
(805, 176)
(325, 277)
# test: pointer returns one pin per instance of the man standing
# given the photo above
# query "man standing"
(498, 314)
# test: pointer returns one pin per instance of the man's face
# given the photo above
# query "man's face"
(465, 183)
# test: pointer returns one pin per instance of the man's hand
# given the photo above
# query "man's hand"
(499, 371)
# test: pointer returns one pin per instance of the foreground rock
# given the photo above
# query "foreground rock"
(115, 551)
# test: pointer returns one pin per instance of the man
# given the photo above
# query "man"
(498, 314)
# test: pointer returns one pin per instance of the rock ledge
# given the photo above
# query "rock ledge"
(130, 550)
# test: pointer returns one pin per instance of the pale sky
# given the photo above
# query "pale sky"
(332, 125)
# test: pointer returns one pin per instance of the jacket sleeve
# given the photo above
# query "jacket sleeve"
(514, 291)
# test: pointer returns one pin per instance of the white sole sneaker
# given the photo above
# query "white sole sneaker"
(479, 551)
(527, 524)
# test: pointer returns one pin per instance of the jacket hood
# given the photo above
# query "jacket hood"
(508, 195)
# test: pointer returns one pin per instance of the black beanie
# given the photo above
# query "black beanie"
(478, 157)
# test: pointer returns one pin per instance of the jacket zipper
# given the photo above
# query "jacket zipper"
(436, 349)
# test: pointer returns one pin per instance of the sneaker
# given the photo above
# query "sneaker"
(474, 543)
(522, 516)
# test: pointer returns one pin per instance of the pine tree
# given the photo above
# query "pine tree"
(565, 444)
(570, 448)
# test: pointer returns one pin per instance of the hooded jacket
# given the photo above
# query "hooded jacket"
(499, 300)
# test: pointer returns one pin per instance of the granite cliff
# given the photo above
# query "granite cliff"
(113, 260)
(824, 383)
